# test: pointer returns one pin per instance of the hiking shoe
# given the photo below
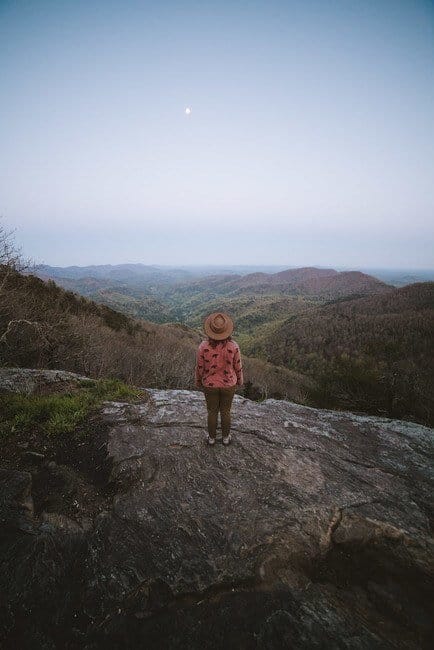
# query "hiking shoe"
(226, 439)
(211, 441)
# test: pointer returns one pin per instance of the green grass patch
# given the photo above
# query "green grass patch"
(60, 413)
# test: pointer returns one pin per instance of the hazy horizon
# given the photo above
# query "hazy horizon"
(269, 267)
(308, 143)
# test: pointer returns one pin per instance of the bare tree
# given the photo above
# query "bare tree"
(10, 253)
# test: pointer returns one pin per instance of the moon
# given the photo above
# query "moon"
(188, 111)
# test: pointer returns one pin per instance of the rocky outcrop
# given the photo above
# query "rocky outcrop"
(312, 530)
(32, 381)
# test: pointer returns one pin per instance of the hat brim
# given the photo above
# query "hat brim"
(213, 335)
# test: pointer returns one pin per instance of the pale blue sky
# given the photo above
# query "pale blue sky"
(310, 139)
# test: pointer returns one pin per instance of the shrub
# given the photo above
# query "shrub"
(58, 414)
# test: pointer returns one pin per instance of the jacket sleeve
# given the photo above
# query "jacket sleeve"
(199, 366)
(238, 366)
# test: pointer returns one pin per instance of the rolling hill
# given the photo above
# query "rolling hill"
(351, 341)
(372, 353)
(44, 326)
(254, 299)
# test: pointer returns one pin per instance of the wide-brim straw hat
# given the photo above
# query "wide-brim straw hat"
(218, 325)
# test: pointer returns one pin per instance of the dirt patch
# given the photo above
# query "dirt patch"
(70, 472)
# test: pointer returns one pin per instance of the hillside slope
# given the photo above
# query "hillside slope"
(369, 353)
(42, 325)
(165, 298)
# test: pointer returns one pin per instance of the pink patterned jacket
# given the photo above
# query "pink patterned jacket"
(219, 367)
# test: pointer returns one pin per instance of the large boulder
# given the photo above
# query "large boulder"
(312, 530)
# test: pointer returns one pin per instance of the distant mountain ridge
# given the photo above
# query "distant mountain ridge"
(395, 277)
(255, 300)
(309, 281)
(321, 282)
(118, 272)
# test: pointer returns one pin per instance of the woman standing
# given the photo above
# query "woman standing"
(219, 371)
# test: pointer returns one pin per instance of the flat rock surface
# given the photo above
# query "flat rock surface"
(311, 530)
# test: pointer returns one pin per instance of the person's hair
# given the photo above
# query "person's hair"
(214, 342)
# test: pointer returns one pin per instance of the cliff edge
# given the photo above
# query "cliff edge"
(312, 530)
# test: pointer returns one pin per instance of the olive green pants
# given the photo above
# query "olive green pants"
(219, 400)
